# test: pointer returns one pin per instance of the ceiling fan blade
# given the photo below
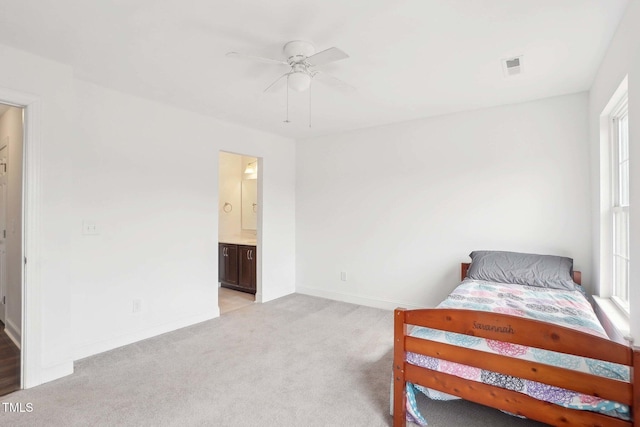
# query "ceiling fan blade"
(334, 82)
(256, 58)
(328, 55)
(272, 85)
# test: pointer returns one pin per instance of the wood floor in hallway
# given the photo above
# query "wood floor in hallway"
(9, 364)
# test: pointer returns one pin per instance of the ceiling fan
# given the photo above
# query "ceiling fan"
(302, 59)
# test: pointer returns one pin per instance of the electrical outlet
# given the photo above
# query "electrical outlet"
(137, 306)
(343, 276)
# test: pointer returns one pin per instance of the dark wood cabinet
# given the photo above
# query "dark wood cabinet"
(247, 267)
(228, 264)
(237, 267)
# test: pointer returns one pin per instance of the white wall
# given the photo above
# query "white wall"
(622, 58)
(399, 207)
(11, 130)
(230, 185)
(147, 174)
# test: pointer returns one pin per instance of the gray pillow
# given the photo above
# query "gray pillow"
(545, 271)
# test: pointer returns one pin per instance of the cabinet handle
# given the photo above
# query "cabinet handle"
(224, 251)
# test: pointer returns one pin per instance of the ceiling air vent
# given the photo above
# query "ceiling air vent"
(512, 66)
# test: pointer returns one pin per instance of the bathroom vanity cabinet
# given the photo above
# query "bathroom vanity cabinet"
(237, 267)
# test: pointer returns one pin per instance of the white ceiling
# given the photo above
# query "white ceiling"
(408, 59)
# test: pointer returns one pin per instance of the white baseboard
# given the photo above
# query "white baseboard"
(97, 347)
(13, 333)
(271, 296)
(54, 372)
(355, 299)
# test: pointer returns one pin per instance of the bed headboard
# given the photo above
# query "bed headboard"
(577, 276)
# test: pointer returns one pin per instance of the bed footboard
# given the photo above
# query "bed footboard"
(516, 330)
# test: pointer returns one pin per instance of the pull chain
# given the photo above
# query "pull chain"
(310, 104)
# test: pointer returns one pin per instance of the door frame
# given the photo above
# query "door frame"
(3, 272)
(30, 342)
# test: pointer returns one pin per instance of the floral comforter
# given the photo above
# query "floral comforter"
(566, 308)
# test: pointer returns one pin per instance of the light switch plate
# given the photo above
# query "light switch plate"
(90, 228)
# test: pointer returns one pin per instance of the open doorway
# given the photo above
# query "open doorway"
(238, 223)
(11, 242)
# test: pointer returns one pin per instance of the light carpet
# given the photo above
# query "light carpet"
(295, 361)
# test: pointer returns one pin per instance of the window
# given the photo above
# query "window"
(620, 203)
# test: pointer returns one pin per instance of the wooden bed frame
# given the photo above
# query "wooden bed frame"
(515, 330)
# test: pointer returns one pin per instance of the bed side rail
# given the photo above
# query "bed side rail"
(518, 330)
(582, 382)
(508, 400)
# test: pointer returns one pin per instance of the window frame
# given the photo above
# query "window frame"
(617, 207)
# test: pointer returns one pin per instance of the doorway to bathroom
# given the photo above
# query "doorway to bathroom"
(238, 214)
(11, 246)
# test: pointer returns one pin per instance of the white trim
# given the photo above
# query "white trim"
(31, 370)
(13, 333)
(608, 188)
(258, 297)
(622, 305)
(621, 107)
(53, 372)
(617, 207)
(133, 337)
(613, 319)
(259, 227)
(355, 299)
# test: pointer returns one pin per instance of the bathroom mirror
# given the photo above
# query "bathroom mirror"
(249, 204)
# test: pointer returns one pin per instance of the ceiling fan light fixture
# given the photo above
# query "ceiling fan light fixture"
(299, 81)
(302, 58)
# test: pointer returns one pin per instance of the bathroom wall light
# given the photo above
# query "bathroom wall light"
(251, 169)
